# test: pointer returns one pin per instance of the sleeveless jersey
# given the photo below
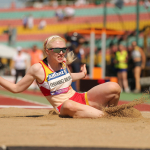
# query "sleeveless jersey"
(55, 82)
(121, 58)
(136, 53)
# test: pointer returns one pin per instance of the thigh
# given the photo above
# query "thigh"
(119, 75)
(74, 109)
(137, 71)
(124, 75)
(23, 72)
(17, 72)
(100, 95)
(70, 106)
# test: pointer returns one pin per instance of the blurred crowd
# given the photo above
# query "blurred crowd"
(20, 62)
(124, 62)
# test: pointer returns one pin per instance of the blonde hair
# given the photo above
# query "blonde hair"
(47, 44)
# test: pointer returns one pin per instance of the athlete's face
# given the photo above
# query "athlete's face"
(133, 43)
(121, 47)
(59, 57)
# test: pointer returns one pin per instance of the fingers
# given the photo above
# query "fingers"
(83, 67)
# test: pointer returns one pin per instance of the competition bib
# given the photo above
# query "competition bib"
(59, 81)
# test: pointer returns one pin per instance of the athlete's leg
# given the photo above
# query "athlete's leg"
(125, 81)
(77, 110)
(104, 94)
(16, 76)
(23, 72)
(137, 73)
(119, 76)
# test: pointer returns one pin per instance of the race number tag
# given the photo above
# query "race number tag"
(59, 81)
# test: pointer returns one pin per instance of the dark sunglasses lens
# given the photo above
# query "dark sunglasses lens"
(64, 50)
(58, 50)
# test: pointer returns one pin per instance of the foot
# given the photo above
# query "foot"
(136, 91)
(127, 90)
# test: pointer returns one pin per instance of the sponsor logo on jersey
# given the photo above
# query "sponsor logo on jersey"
(57, 74)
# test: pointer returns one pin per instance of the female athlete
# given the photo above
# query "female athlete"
(54, 80)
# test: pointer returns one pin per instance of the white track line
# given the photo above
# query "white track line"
(146, 111)
(8, 106)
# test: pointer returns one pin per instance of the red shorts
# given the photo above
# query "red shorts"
(79, 98)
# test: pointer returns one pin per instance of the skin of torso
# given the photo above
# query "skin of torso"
(137, 59)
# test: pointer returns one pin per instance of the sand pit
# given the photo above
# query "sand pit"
(122, 126)
(42, 127)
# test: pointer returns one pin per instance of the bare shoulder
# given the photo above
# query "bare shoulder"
(36, 68)
(141, 50)
(37, 71)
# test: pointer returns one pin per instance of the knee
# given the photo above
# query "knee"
(114, 88)
(68, 107)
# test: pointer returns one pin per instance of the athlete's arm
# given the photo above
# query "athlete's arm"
(80, 75)
(143, 58)
(23, 84)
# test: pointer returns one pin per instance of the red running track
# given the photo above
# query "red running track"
(6, 102)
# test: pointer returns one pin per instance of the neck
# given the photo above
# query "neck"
(53, 65)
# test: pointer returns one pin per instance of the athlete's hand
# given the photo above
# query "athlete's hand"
(83, 69)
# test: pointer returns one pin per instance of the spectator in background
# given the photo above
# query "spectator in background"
(30, 22)
(66, 13)
(42, 24)
(36, 55)
(122, 66)
(76, 40)
(130, 61)
(69, 12)
(146, 4)
(25, 21)
(19, 63)
(80, 2)
(113, 69)
(1, 66)
(54, 3)
(9, 32)
(139, 60)
(12, 33)
(108, 61)
(59, 14)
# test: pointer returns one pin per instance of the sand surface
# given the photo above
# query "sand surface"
(36, 127)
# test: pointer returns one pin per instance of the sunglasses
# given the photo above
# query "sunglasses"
(58, 50)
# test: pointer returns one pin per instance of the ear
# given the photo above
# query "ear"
(47, 51)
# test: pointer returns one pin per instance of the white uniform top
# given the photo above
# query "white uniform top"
(136, 54)
(20, 61)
